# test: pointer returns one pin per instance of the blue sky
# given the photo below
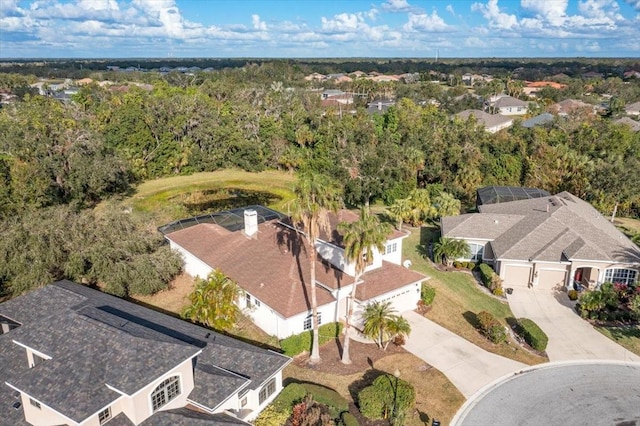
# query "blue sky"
(318, 28)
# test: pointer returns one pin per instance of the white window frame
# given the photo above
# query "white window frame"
(168, 390)
(104, 416)
(267, 390)
(478, 253)
(629, 276)
(391, 248)
(308, 321)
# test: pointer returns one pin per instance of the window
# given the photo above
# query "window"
(165, 392)
(391, 248)
(622, 276)
(477, 251)
(267, 390)
(104, 415)
(34, 403)
(242, 396)
(248, 299)
(308, 321)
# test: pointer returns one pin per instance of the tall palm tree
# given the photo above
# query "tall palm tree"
(446, 204)
(213, 301)
(316, 197)
(360, 238)
(376, 317)
(397, 326)
(446, 250)
(400, 211)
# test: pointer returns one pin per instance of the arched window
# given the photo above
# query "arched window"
(622, 276)
(166, 391)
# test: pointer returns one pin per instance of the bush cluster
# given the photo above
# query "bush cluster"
(611, 302)
(490, 279)
(298, 343)
(491, 328)
(290, 395)
(532, 334)
(387, 392)
(467, 265)
(427, 294)
(572, 294)
(332, 399)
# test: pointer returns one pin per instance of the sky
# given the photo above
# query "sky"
(318, 28)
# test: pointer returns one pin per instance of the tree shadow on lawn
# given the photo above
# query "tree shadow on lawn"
(472, 319)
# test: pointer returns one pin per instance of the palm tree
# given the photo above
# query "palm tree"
(398, 326)
(446, 250)
(360, 238)
(213, 301)
(400, 211)
(376, 317)
(316, 196)
(446, 204)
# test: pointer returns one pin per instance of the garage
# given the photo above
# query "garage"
(516, 276)
(551, 278)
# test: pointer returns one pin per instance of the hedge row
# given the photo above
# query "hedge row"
(486, 274)
(491, 327)
(298, 343)
(532, 334)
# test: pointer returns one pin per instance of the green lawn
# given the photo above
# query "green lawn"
(183, 196)
(459, 298)
(628, 337)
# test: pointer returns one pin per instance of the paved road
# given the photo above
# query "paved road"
(466, 365)
(594, 394)
(570, 337)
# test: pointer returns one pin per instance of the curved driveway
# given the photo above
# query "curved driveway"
(570, 337)
(594, 393)
(466, 365)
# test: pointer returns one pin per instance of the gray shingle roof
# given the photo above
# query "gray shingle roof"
(556, 228)
(187, 417)
(96, 339)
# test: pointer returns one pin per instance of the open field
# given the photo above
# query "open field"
(628, 225)
(183, 196)
(459, 298)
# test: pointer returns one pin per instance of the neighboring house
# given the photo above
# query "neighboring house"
(549, 242)
(315, 77)
(538, 120)
(572, 107)
(633, 109)
(533, 87)
(492, 122)
(508, 105)
(380, 106)
(72, 355)
(634, 125)
(258, 249)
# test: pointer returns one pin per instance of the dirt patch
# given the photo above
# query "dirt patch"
(363, 357)
(174, 299)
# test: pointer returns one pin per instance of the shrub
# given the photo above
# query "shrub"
(328, 397)
(457, 264)
(290, 395)
(349, 419)
(491, 328)
(486, 274)
(377, 401)
(532, 334)
(427, 294)
(498, 291)
(298, 343)
(272, 417)
(573, 294)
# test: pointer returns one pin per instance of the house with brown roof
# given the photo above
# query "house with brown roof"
(260, 250)
(633, 109)
(72, 355)
(553, 242)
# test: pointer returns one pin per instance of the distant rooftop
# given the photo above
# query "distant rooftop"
(231, 220)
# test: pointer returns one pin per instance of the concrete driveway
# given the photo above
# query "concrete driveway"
(570, 337)
(466, 365)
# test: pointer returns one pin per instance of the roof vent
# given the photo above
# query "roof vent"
(250, 222)
(495, 221)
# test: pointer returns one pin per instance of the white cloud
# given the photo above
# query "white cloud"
(449, 9)
(553, 12)
(497, 19)
(343, 22)
(474, 42)
(600, 9)
(258, 24)
(396, 6)
(425, 22)
(634, 3)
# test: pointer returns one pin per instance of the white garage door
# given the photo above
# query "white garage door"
(549, 278)
(516, 276)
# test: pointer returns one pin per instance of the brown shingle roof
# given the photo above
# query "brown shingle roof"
(273, 267)
(383, 280)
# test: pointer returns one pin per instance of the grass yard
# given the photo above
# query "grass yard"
(628, 226)
(626, 336)
(458, 298)
(183, 196)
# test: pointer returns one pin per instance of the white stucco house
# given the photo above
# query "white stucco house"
(553, 241)
(72, 355)
(259, 249)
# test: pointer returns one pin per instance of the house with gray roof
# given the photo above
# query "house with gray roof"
(551, 242)
(266, 256)
(508, 105)
(491, 122)
(633, 109)
(72, 355)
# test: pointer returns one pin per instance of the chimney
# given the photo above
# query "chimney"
(250, 223)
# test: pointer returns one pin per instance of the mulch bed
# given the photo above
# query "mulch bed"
(363, 357)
